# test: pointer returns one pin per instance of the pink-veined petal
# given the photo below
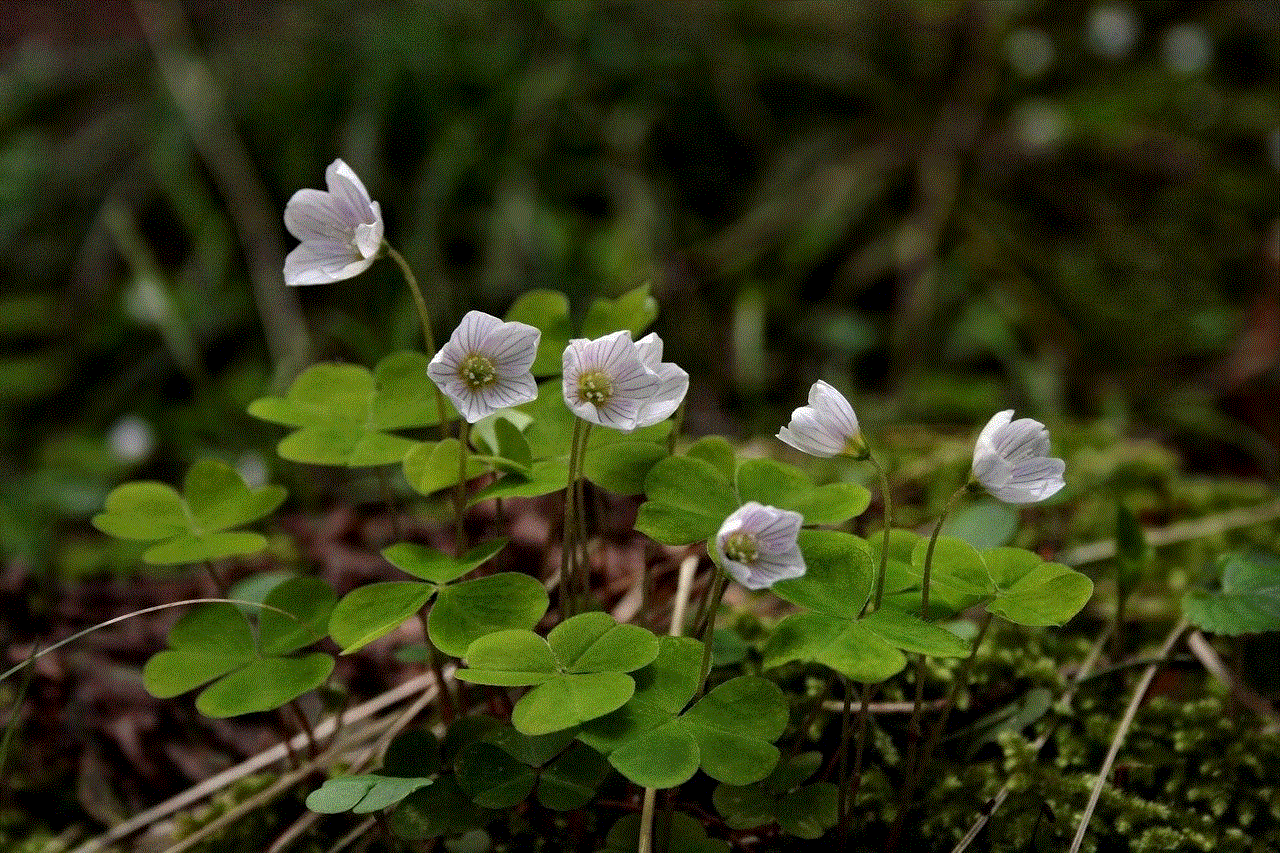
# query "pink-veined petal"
(834, 410)
(512, 347)
(322, 263)
(649, 351)
(673, 384)
(472, 331)
(349, 192)
(313, 215)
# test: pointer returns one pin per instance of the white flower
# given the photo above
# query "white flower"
(607, 383)
(485, 365)
(757, 545)
(825, 427)
(1011, 460)
(340, 230)
(674, 382)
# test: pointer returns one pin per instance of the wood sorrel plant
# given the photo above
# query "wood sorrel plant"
(518, 401)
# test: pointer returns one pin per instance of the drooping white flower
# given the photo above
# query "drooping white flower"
(340, 230)
(1011, 460)
(486, 364)
(757, 545)
(825, 427)
(673, 382)
(606, 382)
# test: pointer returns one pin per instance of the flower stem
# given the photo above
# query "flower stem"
(842, 802)
(961, 682)
(855, 781)
(928, 554)
(582, 565)
(913, 728)
(220, 585)
(713, 605)
(645, 844)
(428, 337)
(305, 725)
(448, 705)
(887, 499)
(460, 489)
(676, 423)
(568, 535)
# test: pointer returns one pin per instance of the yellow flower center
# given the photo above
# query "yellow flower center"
(595, 387)
(741, 547)
(477, 371)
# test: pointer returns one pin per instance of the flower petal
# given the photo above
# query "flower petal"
(313, 215)
(513, 347)
(649, 351)
(673, 384)
(777, 532)
(990, 469)
(509, 391)
(472, 331)
(1022, 439)
(368, 237)
(986, 438)
(348, 190)
(768, 570)
(808, 434)
(322, 263)
(833, 410)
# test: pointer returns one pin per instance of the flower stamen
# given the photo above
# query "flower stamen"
(595, 387)
(742, 547)
(477, 371)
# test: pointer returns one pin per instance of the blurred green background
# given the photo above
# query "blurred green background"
(946, 208)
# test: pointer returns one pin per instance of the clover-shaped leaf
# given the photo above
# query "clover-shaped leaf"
(362, 794)
(614, 460)
(1030, 591)
(1247, 603)
(577, 673)
(986, 523)
(621, 467)
(844, 645)
(193, 526)
(958, 577)
(547, 311)
(805, 811)
(834, 589)
(493, 778)
(343, 415)
(655, 743)
(501, 770)
(716, 450)
(688, 500)
(775, 484)
(436, 566)
(216, 643)
(906, 632)
(838, 574)
(430, 466)
(500, 437)
(544, 477)
(634, 311)
(684, 835)
(442, 809)
(463, 611)
(690, 496)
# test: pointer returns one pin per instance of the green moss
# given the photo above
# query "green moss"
(1190, 776)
